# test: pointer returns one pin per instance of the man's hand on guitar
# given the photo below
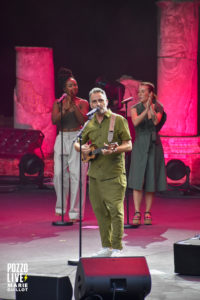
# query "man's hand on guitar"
(109, 149)
(86, 149)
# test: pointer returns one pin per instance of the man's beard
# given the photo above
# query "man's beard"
(101, 111)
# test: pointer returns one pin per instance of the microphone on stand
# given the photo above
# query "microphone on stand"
(127, 100)
(62, 98)
(90, 113)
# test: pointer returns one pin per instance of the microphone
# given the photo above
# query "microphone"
(90, 113)
(61, 98)
(127, 100)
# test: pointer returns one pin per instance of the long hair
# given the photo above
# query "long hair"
(150, 86)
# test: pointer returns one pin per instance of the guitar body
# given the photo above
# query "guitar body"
(87, 157)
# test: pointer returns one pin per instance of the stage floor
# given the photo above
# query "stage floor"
(28, 236)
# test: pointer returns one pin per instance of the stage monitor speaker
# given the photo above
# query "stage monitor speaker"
(186, 256)
(112, 278)
(44, 288)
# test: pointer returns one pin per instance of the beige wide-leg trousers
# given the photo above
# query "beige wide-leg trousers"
(71, 169)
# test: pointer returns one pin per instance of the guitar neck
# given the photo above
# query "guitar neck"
(98, 150)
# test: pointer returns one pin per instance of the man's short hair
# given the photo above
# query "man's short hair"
(97, 90)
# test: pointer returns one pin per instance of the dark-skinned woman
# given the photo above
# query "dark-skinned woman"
(74, 110)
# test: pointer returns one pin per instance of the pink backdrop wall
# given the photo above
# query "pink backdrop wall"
(177, 66)
(177, 82)
(34, 93)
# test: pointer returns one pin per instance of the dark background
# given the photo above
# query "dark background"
(92, 38)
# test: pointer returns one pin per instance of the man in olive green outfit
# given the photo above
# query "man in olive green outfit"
(107, 176)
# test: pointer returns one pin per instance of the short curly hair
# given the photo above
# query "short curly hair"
(63, 75)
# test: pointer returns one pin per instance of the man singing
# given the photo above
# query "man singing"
(107, 175)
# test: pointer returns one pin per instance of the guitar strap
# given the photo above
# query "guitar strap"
(111, 127)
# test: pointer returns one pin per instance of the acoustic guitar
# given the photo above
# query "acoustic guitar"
(95, 151)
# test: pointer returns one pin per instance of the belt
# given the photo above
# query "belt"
(71, 129)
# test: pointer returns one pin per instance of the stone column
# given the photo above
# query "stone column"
(177, 81)
(131, 90)
(34, 92)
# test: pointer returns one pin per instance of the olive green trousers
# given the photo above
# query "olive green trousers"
(107, 200)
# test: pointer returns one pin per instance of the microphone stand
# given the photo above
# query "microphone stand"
(79, 136)
(62, 222)
(127, 225)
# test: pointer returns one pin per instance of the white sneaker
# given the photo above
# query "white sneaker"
(104, 252)
(116, 253)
